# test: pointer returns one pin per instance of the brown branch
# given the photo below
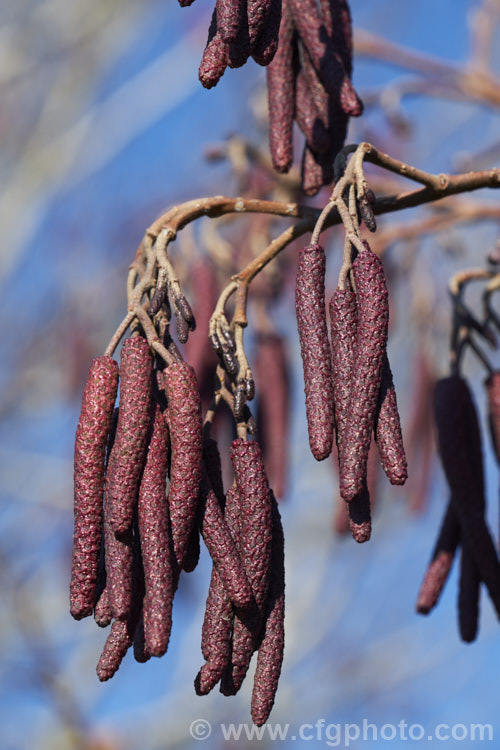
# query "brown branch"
(220, 205)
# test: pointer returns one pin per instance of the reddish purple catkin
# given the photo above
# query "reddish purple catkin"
(229, 17)
(371, 342)
(266, 44)
(223, 552)
(441, 562)
(118, 555)
(337, 20)
(343, 318)
(184, 413)
(271, 375)
(218, 620)
(468, 597)
(90, 447)
(154, 529)
(255, 550)
(316, 169)
(308, 117)
(215, 57)
(270, 656)
(129, 449)
(281, 96)
(121, 635)
(257, 12)
(318, 46)
(459, 442)
(315, 349)
(387, 430)
(492, 385)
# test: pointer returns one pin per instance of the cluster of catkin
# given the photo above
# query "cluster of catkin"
(239, 29)
(147, 484)
(348, 385)
(464, 524)
(308, 76)
(309, 81)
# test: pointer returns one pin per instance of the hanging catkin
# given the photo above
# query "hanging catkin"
(222, 549)
(154, 529)
(441, 562)
(459, 442)
(184, 415)
(270, 654)
(387, 430)
(343, 319)
(90, 447)
(218, 620)
(315, 349)
(371, 341)
(129, 449)
(255, 550)
(121, 635)
(281, 96)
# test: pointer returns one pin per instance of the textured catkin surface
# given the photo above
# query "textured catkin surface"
(318, 46)
(281, 96)
(371, 342)
(129, 449)
(118, 553)
(122, 631)
(90, 447)
(493, 390)
(117, 644)
(343, 320)
(315, 349)
(267, 41)
(184, 414)
(257, 13)
(215, 56)
(387, 430)
(255, 550)
(308, 116)
(256, 514)
(228, 18)
(343, 327)
(270, 656)
(223, 551)
(154, 529)
(441, 562)
(459, 443)
(218, 620)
